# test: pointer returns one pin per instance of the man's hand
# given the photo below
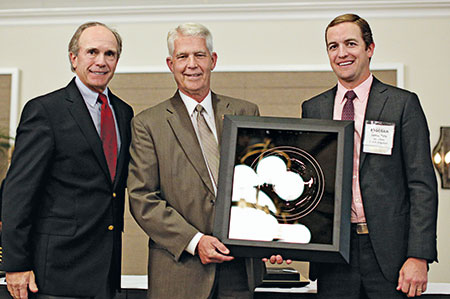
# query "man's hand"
(211, 250)
(276, 259)
(413, 277)
(18, 284)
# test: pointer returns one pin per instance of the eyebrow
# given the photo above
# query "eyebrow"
(351, 40)
(187, 53)
(345, 41)
(97, 49)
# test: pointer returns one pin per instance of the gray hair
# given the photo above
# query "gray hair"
(189, 29)
(74, 46)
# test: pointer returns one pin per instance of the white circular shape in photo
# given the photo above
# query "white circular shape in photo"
(289, 186)
(269, 168)
(244, 181)
(294, 233)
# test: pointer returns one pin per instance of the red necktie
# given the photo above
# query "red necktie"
(348, 112)
(108, 135)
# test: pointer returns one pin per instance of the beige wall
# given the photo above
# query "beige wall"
(421, 44)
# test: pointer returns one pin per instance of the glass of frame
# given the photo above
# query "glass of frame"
(285, 188)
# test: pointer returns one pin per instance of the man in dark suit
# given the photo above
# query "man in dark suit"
(63, 198)
(394, 205)
(173, 176)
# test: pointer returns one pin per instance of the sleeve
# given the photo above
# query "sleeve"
(421, 181)
(161, 222)
(24, 185)
(194, 242)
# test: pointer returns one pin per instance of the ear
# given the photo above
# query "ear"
(169, 63)
(370, 49)
(73, 60)
(214, 60)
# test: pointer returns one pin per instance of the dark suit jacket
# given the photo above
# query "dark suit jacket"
(171, 194)
(62, 215)
(399, 191)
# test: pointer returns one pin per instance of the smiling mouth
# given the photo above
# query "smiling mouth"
(98, 73)
(345, 63)
(193, 75)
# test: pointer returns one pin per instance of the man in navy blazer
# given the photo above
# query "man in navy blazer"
(394, 205)
(63, 202)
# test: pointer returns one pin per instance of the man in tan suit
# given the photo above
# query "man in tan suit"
(173, 174)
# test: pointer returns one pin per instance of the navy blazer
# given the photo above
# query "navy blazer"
(399, 191)
(62, 215)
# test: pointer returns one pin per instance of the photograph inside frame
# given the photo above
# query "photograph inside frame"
(283, 186)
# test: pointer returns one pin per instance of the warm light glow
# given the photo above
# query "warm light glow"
(437, 159)
(447, 158)
(441, 157)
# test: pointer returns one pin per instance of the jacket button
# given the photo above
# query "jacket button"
(111, 227)
(114, 195)
(213, 202)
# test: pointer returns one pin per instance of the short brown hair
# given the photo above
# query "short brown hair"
(352, 18)
(74, 46)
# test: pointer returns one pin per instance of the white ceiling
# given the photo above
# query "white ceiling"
(49, 4)
(28, 12)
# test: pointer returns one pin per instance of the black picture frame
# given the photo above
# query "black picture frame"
(247, 140)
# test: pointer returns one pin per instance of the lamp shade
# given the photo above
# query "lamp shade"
(441, 157)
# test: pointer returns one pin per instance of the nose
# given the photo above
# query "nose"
(100, 60)
(192, 62)
(342, 51)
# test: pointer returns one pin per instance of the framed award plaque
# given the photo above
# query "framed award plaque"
(285, 188)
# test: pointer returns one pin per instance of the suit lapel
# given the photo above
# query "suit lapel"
(220, 107)
(327, 107)
(180, 122)
(81, 116)
(377, 100)
(124, 135)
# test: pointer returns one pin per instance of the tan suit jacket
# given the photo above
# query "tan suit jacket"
(171, 194)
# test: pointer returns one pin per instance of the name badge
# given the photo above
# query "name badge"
(378, 137)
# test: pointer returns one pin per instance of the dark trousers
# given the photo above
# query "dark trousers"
(106, 292)
(362, 278)
(43, 296)
(231, 281)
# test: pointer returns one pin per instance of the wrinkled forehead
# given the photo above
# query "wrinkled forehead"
(190, 44)
(98, 37)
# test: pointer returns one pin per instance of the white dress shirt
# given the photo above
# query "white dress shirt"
(95, 108)
(210, 120)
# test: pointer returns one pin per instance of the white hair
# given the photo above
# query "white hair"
(189, 29)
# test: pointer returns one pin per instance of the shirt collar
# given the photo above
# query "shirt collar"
(190, 104)
(362, 90)
(89, 96)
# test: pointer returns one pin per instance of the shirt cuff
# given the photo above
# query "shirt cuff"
(193, 244)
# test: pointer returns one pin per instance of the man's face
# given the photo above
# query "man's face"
(97, 57)
(191, 64)
(348, 54)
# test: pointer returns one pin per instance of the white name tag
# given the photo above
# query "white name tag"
(378, 137)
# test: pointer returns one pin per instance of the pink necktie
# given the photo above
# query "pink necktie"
(348, 112)
(108, 135)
